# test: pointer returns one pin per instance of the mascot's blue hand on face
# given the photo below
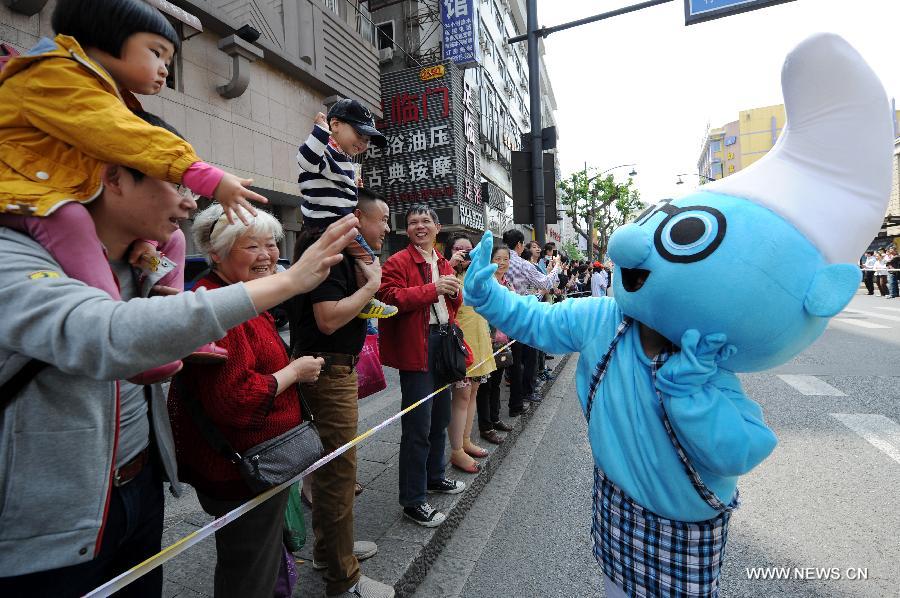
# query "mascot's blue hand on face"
(767, 255)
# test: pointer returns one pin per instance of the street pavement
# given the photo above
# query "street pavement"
(823, 507)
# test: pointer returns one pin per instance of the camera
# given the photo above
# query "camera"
(465, 256)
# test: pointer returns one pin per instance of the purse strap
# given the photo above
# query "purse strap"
(26, 374)
(437, 317)
(210, 432)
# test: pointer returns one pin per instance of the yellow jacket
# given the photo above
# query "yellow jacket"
(62, 119)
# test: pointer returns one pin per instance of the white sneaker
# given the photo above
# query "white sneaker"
(362, 550)
(367, 587)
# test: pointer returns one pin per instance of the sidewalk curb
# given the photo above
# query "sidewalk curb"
(417, 570)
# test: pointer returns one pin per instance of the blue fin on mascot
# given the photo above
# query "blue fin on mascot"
(739, 276)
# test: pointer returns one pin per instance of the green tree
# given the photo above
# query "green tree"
(571, 250)
(598, 204)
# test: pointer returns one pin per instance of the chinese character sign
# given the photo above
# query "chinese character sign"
(460, 32)
(429, 156)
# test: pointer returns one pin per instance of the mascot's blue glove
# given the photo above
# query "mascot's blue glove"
(688, 370)
(480, 275)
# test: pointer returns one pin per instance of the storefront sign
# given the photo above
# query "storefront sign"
(429, 157)
(471, 216)
(460, 25)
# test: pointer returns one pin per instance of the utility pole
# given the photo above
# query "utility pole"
(537, 149)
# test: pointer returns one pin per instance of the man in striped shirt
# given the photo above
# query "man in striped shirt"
(328, 180)
(525, 279)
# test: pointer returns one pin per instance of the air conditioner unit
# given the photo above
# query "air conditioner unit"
(385, 55)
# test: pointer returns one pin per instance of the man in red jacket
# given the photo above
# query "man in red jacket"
(422, 285)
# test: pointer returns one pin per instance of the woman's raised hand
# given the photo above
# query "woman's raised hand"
(232, 193)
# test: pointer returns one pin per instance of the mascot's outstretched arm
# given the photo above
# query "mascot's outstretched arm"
(558, 328)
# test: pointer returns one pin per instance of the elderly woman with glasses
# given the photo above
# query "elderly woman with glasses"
(250, 398)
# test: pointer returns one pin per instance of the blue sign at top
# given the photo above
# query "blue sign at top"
(460, 32)
(697, 11)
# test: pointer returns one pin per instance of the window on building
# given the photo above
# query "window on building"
(715, 170)
(364, 25)
(385, 33)
(715, 146)
(498, 16)
(175, 79)
(331, 5)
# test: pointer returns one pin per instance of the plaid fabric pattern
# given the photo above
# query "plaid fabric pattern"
(525, 277)
(648, 555)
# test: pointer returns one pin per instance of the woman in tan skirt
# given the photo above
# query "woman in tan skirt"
(477, 334)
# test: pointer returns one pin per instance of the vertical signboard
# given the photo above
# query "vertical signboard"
(460, 32)
(697, 11)
(432, 143)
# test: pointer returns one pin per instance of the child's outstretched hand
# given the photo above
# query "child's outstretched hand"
(232, 192)
(480, 275)
(688, 370)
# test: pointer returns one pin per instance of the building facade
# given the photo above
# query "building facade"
(245, 106)
(415, 35)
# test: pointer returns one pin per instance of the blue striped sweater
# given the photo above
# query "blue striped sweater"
(327, 183)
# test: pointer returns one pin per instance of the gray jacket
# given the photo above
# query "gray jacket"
(58, 436)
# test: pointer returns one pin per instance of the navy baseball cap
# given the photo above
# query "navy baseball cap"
(359, 117)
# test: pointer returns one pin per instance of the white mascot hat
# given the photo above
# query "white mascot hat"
(829, 174)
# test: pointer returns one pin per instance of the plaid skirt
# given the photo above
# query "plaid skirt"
(648, 555)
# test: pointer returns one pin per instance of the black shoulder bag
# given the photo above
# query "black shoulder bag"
(271, 462)
(450, 361)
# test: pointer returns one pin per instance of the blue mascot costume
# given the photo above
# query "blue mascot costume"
(739, 276)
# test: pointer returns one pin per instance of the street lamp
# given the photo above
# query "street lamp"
(633, 172)
(696, 174)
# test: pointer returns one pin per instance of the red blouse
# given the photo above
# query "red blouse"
(239, 398)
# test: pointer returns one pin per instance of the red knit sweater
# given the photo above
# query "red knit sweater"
(236, 396)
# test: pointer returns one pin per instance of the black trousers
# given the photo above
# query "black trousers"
(868, 280)
(522, 374)
(488, 401)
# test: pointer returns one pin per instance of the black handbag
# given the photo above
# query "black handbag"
(504, 358)
(271, 462)
(450, 361)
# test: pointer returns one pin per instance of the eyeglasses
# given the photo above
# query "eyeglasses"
(186, 193)
(687, 234)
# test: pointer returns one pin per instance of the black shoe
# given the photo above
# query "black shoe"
(425, 515)
(502, 426)
(519, 411)
(446, 486)
(533, 398)
(491, 436)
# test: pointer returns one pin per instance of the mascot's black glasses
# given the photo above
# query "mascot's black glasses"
(687, 234)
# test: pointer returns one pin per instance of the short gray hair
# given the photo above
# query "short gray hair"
(213, 234)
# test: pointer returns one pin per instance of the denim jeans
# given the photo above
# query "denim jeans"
(132, 534)
(892, 284)
(423, 432)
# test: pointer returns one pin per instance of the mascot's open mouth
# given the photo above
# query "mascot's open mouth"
(634, 278)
